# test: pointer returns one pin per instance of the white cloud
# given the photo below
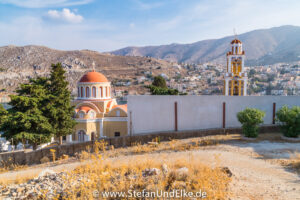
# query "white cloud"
(147, 6)
(45, 3)
(28, 30)
(132, 25)
(65, 15)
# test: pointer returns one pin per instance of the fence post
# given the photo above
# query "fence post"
(175, 109)
(130, 127)
(224, 115)
(274, 112)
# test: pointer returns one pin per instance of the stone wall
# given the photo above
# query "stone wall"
(34, 157)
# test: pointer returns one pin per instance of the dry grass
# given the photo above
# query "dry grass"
(100, 172)
(19, 179)
(124, 173)
(10, 166)
(295, 161)
(172, 145)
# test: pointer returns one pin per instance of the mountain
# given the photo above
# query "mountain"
(264, 46)
(17, 64)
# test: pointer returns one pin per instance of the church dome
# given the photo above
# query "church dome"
(93, 77)
(236, 41)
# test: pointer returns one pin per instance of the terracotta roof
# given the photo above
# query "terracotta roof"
(108, 105)
(93, 77)
(235, 41)
(124, 107)
(85, 108)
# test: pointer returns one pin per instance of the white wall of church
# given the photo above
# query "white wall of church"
(151, 114)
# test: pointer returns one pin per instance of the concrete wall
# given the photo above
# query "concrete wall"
(150, 114)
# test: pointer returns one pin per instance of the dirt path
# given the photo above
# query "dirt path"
(254, 177)
(36, 170)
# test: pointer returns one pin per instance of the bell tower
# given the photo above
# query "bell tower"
(235, 78)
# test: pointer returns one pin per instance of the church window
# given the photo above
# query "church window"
(82, 92)
(101, 92)
(81, 115)
(78, 92)
(87, 92)
(92, 114)
(94, 91)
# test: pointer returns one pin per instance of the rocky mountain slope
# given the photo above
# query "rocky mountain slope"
(17, 64)
(265, 46)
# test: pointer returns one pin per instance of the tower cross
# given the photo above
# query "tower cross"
(93, 66)
(235, 34)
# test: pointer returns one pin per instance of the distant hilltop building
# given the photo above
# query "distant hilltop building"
(235, 78)
(97, 113)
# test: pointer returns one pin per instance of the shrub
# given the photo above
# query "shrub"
(162, 91)
(45, 159)
(250, 118)
(289, 120)
(160, 82)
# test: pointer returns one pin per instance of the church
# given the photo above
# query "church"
(97, 114)
(235, 78)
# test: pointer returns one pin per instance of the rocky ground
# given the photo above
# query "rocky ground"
(255, 167)
(47, 181)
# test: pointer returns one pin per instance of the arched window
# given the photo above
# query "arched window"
(81, 135)
(101, 92)
(87, 92)
(78, 92)
(94, 91)
(236, 50)
(92, 114)
(82, 95)
(118, 113)
(81, 114)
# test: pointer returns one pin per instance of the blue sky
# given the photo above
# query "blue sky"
(106, 25)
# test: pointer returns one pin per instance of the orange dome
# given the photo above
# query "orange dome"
(85, 108)
(93, 77)
(235, 41)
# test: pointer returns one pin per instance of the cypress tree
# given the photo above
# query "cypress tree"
(3, 116)
(60, 111)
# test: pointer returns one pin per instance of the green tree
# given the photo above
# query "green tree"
(289, 120)
(250, 118)
(3, 115)
(60, 111)
(159, 81)
(162, 91)
(251, 73)
(25, 120)
(159, 87)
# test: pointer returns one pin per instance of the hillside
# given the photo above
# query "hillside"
(17, 64)
(265, 46)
